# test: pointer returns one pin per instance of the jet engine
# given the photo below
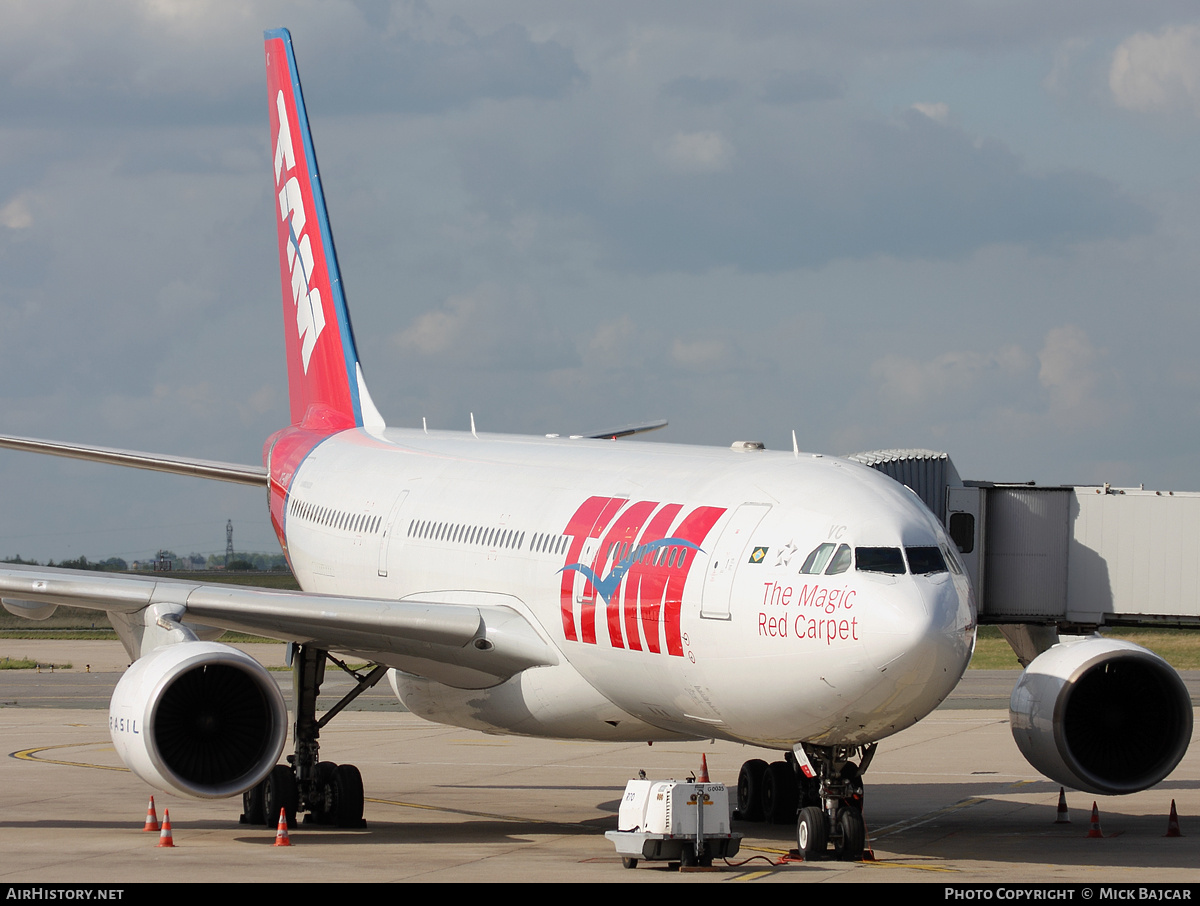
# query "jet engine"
(198, 718)
(1101, 716)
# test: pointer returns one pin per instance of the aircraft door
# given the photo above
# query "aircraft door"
(730, 552)
(385, 539)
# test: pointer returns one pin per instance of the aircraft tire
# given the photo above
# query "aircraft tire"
(253, 809)
(347, 787)
(321, 808)
(851, 835)
(811, 833)
(749, 790)
(279, 792)
(780, 793)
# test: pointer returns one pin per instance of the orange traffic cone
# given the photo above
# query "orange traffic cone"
(165, 838)
(1063, 817)
(1173, 823)
(151, 818)
(703, 778)
(1094, 830)
(281, 835)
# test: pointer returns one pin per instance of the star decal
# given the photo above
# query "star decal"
(785, 554)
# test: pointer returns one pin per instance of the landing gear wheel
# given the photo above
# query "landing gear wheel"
(279, 792)
(811, 833)
(253, 811)
(628, 862)
(749, 790)
(347, 788)
(320, 809)
(810, 791)
(779, 793)
(851, 835)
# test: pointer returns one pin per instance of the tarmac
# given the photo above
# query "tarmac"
(949, 801)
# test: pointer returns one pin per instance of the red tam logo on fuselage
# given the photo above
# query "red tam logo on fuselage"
(638, 570)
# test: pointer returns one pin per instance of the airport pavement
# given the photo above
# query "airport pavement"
(948, 801)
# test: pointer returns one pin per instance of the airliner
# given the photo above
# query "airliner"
(563, 587)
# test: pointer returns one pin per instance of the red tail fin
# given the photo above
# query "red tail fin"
(325, 384)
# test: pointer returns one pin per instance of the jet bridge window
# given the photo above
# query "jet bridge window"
(879, 560)
(923, 561)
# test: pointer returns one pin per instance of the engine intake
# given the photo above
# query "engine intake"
(198, 718)
(1102, 716)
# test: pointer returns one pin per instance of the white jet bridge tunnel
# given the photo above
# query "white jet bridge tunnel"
(1075, 558)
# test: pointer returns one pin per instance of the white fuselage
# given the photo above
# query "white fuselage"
(667, 577)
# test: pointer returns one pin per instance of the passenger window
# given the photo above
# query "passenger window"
(879, 560)
(841, 561)
(923, 561)
(814, 563)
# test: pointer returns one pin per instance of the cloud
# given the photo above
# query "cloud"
(701, 91)
(16, 214)
(911, 382)
(1158, 72)
(697, 152)
(487, 328)
(699, 354)
(939, 112)
(1065, 387)
(200, 62)
(1070, 373)
(796, 193)
(800, 87)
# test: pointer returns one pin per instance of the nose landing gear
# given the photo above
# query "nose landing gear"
(822, 787)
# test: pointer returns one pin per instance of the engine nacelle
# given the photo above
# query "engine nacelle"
(1102, 716)
(198, 718)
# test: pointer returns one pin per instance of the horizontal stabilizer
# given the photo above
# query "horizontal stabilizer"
(179, 465)
(623, 431)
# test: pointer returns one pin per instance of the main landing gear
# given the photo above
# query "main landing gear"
(330, 793)
(817, 786)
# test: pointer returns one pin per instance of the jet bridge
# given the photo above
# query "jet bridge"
(1074, 557)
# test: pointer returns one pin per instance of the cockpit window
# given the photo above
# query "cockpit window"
(879, 560)
(841, 561)
(952, 560)
(925, 560)
(814, 563)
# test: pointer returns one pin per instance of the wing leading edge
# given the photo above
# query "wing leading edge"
(475, 642)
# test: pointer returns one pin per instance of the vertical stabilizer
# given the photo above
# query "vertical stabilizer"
(325, 384)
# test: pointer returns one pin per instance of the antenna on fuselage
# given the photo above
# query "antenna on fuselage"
(795, 445)
(424, 424)
(473, 434)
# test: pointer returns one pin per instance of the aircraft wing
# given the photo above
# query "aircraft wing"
(472, 642)
(179, 465)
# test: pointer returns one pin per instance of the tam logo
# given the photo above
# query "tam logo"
(638, 570)
(310, 316)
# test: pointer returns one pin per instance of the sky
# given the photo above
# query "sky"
(964, 226)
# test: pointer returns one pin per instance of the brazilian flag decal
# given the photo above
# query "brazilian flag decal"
(759, 554)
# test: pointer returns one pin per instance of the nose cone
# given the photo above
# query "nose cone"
(921, 638)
